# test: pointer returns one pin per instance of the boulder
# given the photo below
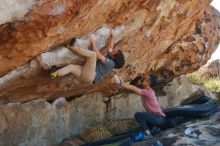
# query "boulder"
(160, 37)
(210, 70)
(179, 90)
(39, 122)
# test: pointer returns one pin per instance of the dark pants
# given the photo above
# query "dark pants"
(146, 118)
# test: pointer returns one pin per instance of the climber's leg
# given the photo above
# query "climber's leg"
(89, 68)
(76, 70)
(85, 73)
(84, 52)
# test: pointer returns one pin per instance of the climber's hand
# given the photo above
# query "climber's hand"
(118, 79)
(92, 38)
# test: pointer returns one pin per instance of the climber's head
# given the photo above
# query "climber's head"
(118, 57)
(146, 81)
(142, 81)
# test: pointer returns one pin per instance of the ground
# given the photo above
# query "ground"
(207, 129)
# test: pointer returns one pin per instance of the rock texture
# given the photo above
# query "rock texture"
(210, 70)
(39, 123)
(167, 38)
(14, 9)
(179, 89)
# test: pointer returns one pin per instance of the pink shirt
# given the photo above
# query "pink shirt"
(150, 102)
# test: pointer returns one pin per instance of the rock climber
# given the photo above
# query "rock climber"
(96, 65)
(154, 116)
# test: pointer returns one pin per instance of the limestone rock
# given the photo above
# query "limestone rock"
(45, 124)
(210, 70)
(167, 38)
(178, 90)
(39, 122)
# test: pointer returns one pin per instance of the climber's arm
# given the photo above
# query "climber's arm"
(99, 56)
(112, 39)
(131, 87)
(127, 85)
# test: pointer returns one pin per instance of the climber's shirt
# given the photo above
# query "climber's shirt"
(103, 68)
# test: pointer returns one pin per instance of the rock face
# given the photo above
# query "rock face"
(166, 38)
(211, 69)
(207, 130)
(39, 123)
(179, 89)
(42, 123)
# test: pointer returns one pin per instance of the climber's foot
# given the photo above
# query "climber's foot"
(53, 72)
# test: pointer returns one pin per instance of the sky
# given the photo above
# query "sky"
(216, 54)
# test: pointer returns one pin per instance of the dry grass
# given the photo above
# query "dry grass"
(209, 83)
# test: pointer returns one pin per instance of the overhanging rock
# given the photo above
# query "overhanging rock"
(166, 38)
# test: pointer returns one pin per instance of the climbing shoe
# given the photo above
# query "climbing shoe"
(54, 75)
(146, 137)
(53, 72)
(141, 136)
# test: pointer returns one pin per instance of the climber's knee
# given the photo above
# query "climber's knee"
(93, 54)
(87, 80)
